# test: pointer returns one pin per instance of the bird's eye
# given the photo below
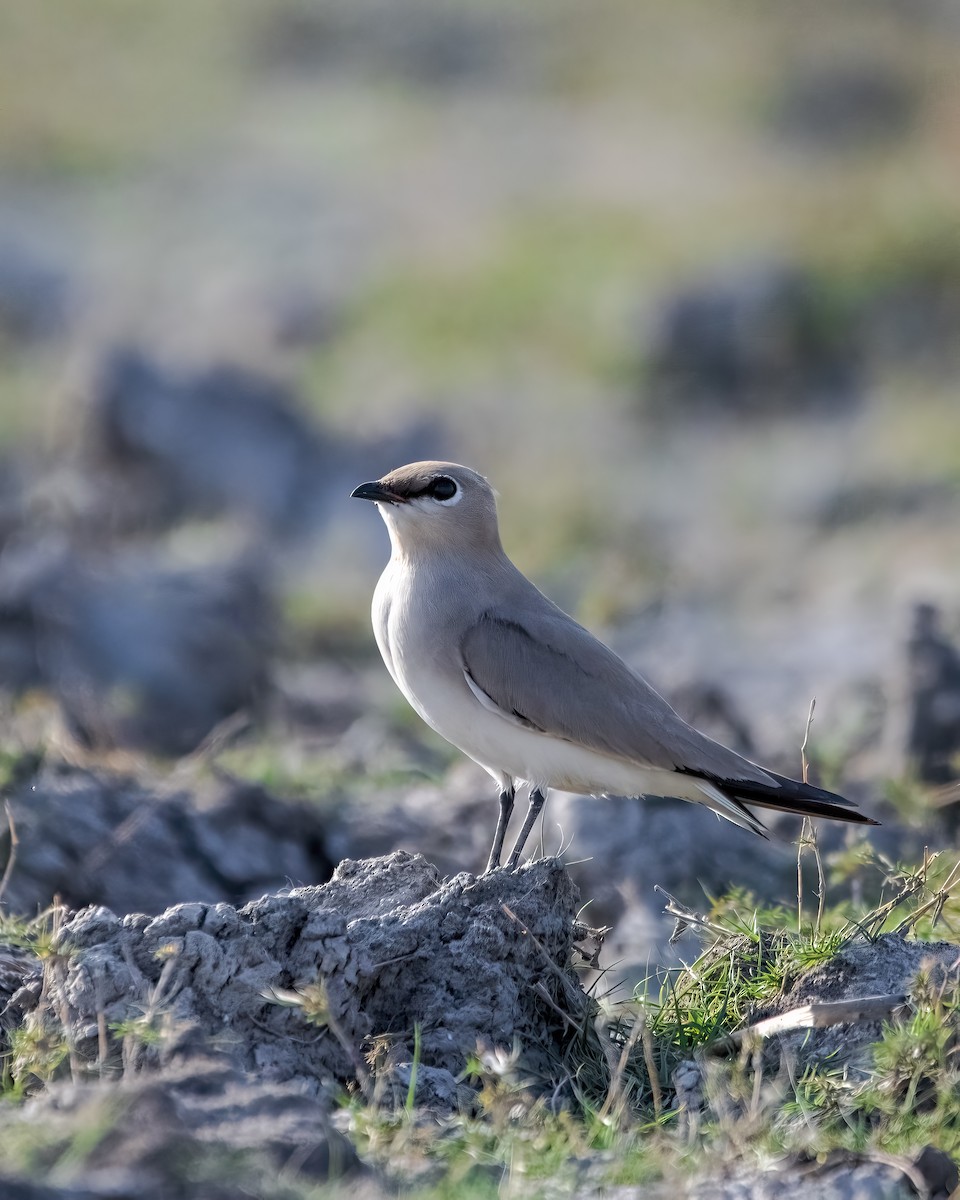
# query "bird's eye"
(443, 488)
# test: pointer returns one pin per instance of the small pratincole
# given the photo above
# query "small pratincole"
(498, 670)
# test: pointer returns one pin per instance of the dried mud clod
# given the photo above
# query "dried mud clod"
(886, 966)
(98, 838)
(381, 972)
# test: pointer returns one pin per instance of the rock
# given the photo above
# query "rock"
(425, 43)
(757, 340)
(139, 654)
(909, 312)
(846, 103)
(311, 985)
(841, 1176)
(34, 295)
(875, 501)
(886, 966)
(24, 1189)
(219, 439)
(839, 1179)
(451, 822)
(938, 1171)
(200, 1130)
(98, 838)
(164, 445)
(933, 672)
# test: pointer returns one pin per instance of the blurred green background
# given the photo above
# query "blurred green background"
(682, 279)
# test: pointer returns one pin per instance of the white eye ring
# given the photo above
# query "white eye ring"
(445, 481)
(452, 500)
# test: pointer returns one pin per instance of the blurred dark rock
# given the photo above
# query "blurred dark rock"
(20, 470)
(450, 822)
(710, 708)
(95, 837)
(221, 439)
(874, 501)
(423, 42)
(938, 1171)
(844, 104)
(24, 1189)
(760, 340)
(383, 948)
(933, 671)
(165, 445)
(839, 1177)
(836, 1175)
(301, 319)
(200, 1131)
(138, 654)
(34, 296)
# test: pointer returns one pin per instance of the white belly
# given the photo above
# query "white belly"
(507, 749)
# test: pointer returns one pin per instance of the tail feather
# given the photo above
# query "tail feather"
(791, 796)
(796, 797)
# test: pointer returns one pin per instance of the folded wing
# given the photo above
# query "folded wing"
(549, 673)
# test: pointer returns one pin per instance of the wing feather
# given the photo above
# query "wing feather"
(548, 672)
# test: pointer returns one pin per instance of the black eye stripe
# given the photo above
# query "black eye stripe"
(441, 488)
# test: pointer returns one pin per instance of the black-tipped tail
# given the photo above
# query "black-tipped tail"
(794, 797)
(790, 796)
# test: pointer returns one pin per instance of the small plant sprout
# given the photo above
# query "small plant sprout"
(313, 1001)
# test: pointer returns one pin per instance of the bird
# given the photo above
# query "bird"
(506, 676)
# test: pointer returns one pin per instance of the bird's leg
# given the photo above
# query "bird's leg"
(506, 808)
(533, 811)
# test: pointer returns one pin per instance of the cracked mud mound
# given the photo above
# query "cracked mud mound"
(208, 1043)
(887, 966)
(384, 948)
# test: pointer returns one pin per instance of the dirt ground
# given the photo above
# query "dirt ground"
(684, 282)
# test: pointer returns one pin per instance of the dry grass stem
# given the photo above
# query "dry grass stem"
(12, 856)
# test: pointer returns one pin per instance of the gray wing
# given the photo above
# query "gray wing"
(547, 671)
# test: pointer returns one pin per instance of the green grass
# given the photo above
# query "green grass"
(614, 1126)
(520, 322)
(288, 767)
(608, 1116)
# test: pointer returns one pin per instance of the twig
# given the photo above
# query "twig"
(540, 946)
(614, 1090)
(818, 1015)
(821, 884)
(12, 856)
(899, 1162)
(103, 1044)
(806, 831)
(545, 996)
(652, 1073)
(802, 841)
(806, 737)
(936, 902)
(686, 916)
